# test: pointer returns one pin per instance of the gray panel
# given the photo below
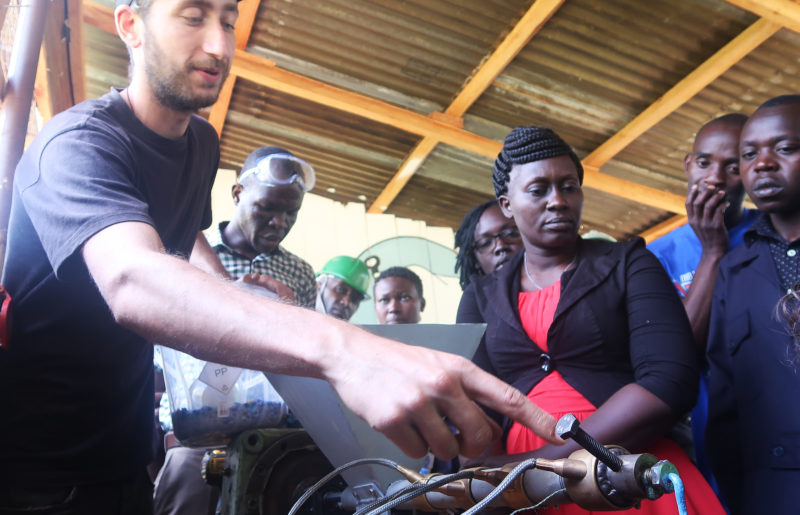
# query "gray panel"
(338, 432)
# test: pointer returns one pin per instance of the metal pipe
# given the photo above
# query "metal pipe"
(17, 103)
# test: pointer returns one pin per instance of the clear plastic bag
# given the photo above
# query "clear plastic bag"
(210, 403)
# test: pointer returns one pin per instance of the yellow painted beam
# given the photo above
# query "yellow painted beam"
(527, 27)
(264, 72)
(60, 76)
(689, 86)
(640, 193)
(244, 27)
(77, 50)
(41, 87)
(99, 16)
(530, 23)
(403, 175)
(664, 227)
(782, 12)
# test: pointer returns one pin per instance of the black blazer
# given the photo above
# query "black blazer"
(753, 431)
(618, 321)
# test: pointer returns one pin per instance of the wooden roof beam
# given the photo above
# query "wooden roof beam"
(717, 64)
(4, 6)
(782, 12)
(41, 87)
(685, 89)
(530, 23)
(664, 227)
(592, 178)
(264, 72)
(60, 76)
(99, 16)
(244, 27)
(527, 27)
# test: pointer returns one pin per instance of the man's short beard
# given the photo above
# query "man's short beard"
(168, 88)
(172, 99)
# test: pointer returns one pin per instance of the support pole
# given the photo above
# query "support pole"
(17, 103)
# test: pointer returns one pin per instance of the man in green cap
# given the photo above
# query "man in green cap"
(341, 286)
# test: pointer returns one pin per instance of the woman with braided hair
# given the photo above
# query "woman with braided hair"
(584, 326)
(486, 240)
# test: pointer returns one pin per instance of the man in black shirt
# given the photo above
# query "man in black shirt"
(107, 207)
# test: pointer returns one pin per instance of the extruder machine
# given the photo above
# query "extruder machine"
(337, 464)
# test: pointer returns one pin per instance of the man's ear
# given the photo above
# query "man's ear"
(505, 206)
(236, 192)
(687, 159)
(129, 25)
(422, 304)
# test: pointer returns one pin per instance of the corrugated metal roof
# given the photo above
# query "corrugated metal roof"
(591, 69)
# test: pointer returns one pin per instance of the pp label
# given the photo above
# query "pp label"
(220, 377)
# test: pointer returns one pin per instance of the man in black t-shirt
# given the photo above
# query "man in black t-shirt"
(107, 206)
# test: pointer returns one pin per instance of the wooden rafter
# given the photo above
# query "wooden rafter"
(443, 129)
(685, 89)
(3, 11)
(527, 27)
(782, 12)
(264, 72)
(530, 23)
(41, 87)
(99, 16)
(592, 178)
(664, 227)
(403, 175)
(244, 27)
(60, 76)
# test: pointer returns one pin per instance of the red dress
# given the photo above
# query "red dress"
(554, 395)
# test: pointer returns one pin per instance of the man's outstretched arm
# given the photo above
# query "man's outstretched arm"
(400, 390)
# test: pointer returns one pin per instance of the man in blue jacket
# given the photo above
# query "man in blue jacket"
(753, 434)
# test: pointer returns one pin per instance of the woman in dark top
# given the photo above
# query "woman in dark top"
(588, 327)
(486, 240)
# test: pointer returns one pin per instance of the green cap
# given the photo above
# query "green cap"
(350, 270)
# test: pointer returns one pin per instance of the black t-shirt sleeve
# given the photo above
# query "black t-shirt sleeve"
(81, 184)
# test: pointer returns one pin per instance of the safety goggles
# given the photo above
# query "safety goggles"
(282, 169)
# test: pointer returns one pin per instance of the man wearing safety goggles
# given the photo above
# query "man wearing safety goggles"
(268, 196)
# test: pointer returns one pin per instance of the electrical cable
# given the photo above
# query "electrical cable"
(680, 496)
(510, 478)
(411, 491)
(355, 463)
(412, 487)
(533, 507)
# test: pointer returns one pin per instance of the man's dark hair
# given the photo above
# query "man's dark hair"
(403, 273)
(726, 119)
(258, 154)
(781, 100)
(526, 145)
(466, 264)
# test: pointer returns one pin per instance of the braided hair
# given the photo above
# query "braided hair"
(526, 145)
(466, 264)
